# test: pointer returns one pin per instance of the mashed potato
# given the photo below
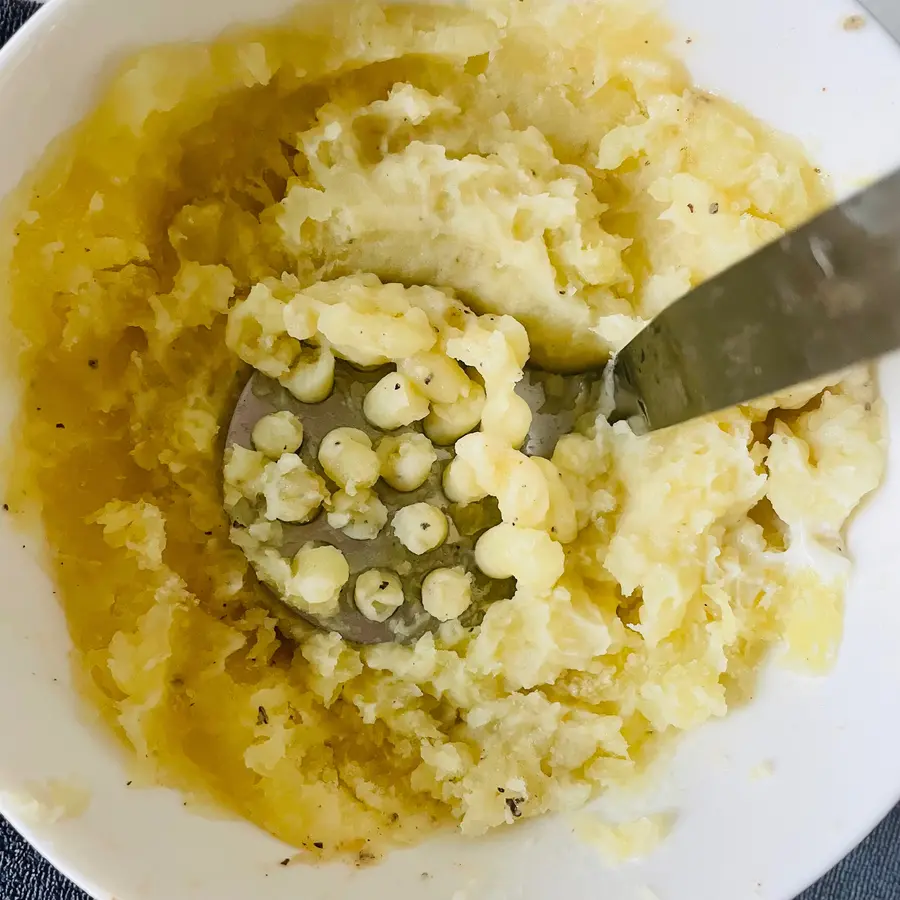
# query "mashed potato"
(546, 162)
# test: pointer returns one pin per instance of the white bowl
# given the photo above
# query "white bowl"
(832, 743)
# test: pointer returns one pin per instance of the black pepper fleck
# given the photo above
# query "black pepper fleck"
(397, 386)
(127, 784)
(93, 363)
(318, 845)
(60, 425)
(426, 526)
(427, 379)
(513, 804)
(383, 586)
(713, 208)
(5, 507)
(691, 207)
(263, 717)
(501, 790)
(285, 862)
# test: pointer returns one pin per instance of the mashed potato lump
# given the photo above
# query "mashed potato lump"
(542, 161)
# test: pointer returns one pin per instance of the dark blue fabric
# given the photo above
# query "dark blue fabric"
(13, 14)
(871, 872)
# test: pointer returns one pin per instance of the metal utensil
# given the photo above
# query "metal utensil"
(816, 301)
(820, 299)
(263, 395)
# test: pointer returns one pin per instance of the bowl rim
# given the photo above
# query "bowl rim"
(25, 42)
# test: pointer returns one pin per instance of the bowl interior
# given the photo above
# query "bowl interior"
(831, 745)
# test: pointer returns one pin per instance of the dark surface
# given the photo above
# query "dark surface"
(872, 872)
(12, 14)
